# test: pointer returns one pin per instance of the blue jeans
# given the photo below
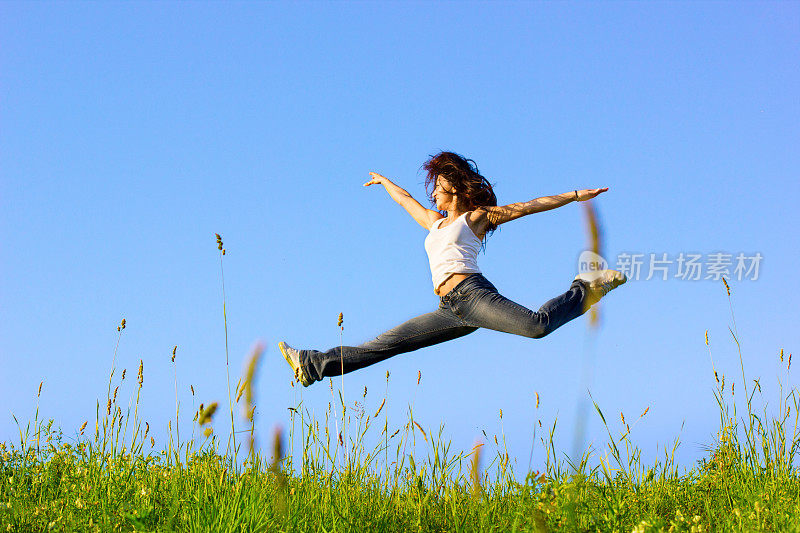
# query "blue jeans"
(474, 303)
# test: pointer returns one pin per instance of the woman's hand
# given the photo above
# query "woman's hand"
(588, 194)
(377, 179)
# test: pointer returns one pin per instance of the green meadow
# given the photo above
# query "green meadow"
(108, 474)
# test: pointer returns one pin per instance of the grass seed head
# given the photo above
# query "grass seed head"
(206, 414)
(152, 442)
(208, 431)
(419, 376)
(191, 388)
(706, 337)
(645, 411)
(239, 390)
(108, 407)
(537, 400)
(83, 426)
(122, 324)
(277, 450)
(173, 353)
(140, 377)
(475, 467)
(365, 392)
(727, 288)
(424, 435)
(40, 389)
(124, 370)
(341, 319)
(790, 362)
(116, 389)
(249, 378)
(146, 429)
(781, 355)
(380, 408)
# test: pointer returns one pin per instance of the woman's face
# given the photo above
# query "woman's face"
(444, 194)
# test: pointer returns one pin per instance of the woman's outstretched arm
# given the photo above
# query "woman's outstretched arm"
(501, 214)
(425, 217)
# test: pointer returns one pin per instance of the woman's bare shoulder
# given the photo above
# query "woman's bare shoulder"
(433, 217)
(477, 221)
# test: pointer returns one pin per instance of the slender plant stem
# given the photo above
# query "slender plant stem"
(344, 410)
(110, 377)
(177, 405)
(227, 362)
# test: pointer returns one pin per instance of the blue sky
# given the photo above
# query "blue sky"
(131, 132)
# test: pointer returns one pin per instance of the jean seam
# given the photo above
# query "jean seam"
(425, 333)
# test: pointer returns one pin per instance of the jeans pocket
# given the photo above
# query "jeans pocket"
(464, 304)
(467, 296)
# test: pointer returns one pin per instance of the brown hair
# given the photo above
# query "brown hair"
(471, 188)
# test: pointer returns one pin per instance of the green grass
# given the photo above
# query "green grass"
(110, 477)
(68, 487)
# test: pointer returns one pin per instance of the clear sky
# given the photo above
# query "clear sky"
(131, 132)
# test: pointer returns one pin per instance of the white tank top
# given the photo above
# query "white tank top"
(452, 250)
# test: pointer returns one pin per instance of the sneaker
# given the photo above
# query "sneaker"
(600, 282)
(292, 357)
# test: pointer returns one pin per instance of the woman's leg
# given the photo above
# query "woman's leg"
(482, 306)
(425, 330)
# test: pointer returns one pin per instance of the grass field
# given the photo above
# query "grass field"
(108, 476)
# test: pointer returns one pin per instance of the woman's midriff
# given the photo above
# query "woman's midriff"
(450, 283)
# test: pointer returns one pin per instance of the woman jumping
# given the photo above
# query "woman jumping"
(467, 300)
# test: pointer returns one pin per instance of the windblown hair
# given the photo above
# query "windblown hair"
(471, 188)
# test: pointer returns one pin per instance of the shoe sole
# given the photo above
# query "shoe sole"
(593, 291)
(296, 371)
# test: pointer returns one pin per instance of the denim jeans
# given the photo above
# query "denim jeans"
(473, 303)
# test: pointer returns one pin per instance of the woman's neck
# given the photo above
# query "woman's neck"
(452, 215)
